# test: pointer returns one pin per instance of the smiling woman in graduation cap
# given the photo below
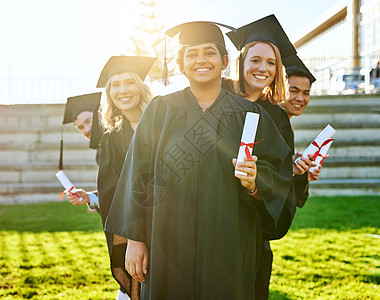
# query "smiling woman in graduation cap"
(121, 109)
(194, 228)
(263, 44)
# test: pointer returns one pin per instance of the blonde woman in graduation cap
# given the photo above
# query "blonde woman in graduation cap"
(194, 228)
(126, 98)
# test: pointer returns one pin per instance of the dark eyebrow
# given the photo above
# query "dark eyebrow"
(209, 48)
(296, 88)
(204, 49)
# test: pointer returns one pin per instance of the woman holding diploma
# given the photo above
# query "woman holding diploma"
(126, 98)
(194, 229)
(263, 44)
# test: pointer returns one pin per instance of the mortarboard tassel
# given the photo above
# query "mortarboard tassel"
(241, 74)
(165, 72)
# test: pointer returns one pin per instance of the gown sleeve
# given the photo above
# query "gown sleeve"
(302, 188)
(121, 220)
(274, 178)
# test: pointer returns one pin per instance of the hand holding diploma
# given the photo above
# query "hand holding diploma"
(312, 176)
(303, 164)
(67, 185)
(319, 142)
(248, 168)
(79, 198)
(321, 155)
(245, 164)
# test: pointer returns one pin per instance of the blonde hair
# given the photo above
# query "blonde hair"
(112, 118)
(275, 92)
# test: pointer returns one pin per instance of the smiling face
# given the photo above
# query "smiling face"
(299, 95)
(259, 67)
(203, 63)
(124, 92)
(83, 123)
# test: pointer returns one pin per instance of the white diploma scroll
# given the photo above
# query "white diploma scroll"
(316, 145)
(66, 183)
(247, 137)
(321, 156)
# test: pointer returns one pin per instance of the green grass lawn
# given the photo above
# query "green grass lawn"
(58, 251)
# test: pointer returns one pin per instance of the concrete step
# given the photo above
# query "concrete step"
(344, 186)
(349, 172)
(341, 135)
(339, 104)
(44, 172)
(36, 192)
(46, 152)
(43, 136)
(37, 116)
(337, 120)
(348, 149)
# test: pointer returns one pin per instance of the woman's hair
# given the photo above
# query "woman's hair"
(181, 53)
(276, 90)
(112, 117)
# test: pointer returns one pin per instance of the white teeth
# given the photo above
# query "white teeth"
(260, 77)
(125, 99)
(297, 105)
(202, 69)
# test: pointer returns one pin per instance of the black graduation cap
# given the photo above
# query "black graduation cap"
(265, 29)
(74, 106)
(295, 66)
(195, 33)
(140, 65)
(199, 32)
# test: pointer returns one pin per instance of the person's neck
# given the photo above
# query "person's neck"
(133, 117)
(206, 94)
(253, 95)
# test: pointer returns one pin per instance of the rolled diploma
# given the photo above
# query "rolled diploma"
(319, 159)
(66, 183)
(248, 136)
(325, 134)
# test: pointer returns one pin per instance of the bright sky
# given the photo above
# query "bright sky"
(73, 37)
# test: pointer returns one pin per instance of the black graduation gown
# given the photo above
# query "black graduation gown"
(296, 196)
(281, 119)
(178, 194)
(113, 148)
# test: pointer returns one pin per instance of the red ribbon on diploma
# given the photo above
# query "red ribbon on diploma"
(247, 146)
(323, 157)
(320, 147)
(69, 191)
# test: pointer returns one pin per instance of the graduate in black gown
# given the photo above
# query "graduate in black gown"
(80, 110)
(300, 80)
(121, 109)
(194, 228)
(263, 45)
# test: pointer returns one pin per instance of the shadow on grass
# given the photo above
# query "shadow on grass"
(276, 295)
(339, 213)
(48, 217)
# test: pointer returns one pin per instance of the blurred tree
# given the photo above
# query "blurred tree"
(151, 39)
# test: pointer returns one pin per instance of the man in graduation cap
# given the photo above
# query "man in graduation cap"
(194, 229)
(80, 110)
(300, 80)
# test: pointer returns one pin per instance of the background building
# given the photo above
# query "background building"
(342, 46)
